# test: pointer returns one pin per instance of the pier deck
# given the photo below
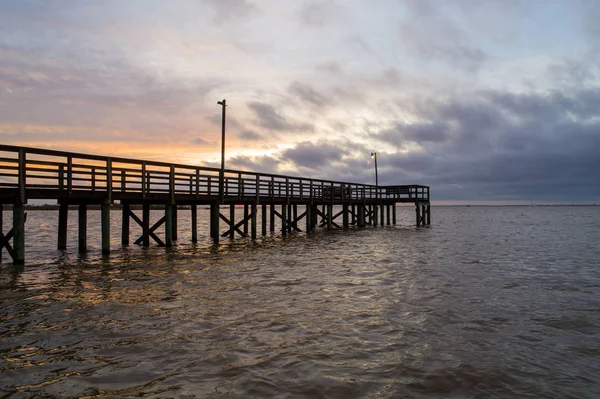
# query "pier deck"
(80, 179)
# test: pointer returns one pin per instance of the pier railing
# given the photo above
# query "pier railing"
(42, 173)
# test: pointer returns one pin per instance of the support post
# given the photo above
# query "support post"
(82, 228)
(309, 218)
(264, 219)
(194, 208)
(418, 210)
(382, 209)
(289, 217)
(272, 219)
(428, 214)
(19, 233)
(105, 222)
(375, 215)
(345, 215)
(126, 208)
(329, 216)
(214, 221)
(1, 228)
(253, 221)
(245, 218)
(284, 219)
(63, 217)
(146, 224)
(394, 214)
(354, 217)
(361, 215)
(231, 220)
(294, 216)
(169, 225)
(174, 227)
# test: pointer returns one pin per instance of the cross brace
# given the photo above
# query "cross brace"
(5, 241)
(151, 231)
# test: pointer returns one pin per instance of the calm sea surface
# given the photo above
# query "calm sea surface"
(488, 302)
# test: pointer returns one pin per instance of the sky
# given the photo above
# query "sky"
(482, 100)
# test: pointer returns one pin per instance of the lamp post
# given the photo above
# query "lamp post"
(223, 104)
(374, 156)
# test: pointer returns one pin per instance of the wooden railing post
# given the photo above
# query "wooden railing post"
(143, 182)
(172, 184)
(123, 181)
(93, 179)
(69, 174)
(61, 177)
(109, 180)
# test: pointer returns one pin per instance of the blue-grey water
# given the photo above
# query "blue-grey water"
(487, 302)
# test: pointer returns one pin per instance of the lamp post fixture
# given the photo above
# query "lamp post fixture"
(374, 156)
(223, 104)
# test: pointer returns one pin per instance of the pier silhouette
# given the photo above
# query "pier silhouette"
(83, 180)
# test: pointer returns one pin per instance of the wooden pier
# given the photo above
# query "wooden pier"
(82, 180)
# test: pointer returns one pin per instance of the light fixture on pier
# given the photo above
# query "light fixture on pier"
(222, 172)
(374, 156)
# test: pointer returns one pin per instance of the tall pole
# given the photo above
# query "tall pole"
(374, 156)
(223, 104)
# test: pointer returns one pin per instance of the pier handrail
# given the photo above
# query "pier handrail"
(25, 169)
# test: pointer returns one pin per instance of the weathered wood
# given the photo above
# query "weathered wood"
(253, 221)
(418, 213)
(382, 215)
(63, 217)
(284, 220)
(214, 221)
(82, 241)
(345, 216)
(375, 215)
(329, 216)
(126, 210)
(231, 220)
(19, 216)
(272, 219)
(361, 215)
(394, 214)
(194, 210)
(246, 218)
(146, 224)
(169, 228)
(105, 226)
(309, 219)
(428, 214)
(1, 230)
(263, 215)
(22, 181)
(174, 226)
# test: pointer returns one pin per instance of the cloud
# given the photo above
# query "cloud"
(314, 156)
(319, 14)
(228, 10)
(269, 118)
(250, 135)
(307, 94)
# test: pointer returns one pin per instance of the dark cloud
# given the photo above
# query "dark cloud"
(263, 164)
(269, 118)
(250, 135)
(228, 10)
(313, 156)
(307, 94)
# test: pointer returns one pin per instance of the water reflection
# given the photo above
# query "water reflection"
(392, 312)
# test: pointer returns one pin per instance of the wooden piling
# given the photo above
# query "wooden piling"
(272, 219)
(125, 209)
(82, 242)
(231, 220)
(329, 217)
(309, 218)
(345, 216)
(263, 224)
(245, 218)
(105, 226)
(394, 214)
(418, 211)
(19, 234)
(169, 228)
(253, 221)
(174, 226)
(361, 215)
(214, 221)
(1, 229)
(428, 214)
(375, 215)
(388, 211)
(146, 224)
(63, 216)
(194, 210)
(284, 219)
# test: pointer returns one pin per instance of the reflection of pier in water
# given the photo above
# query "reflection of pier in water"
(83, 180)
